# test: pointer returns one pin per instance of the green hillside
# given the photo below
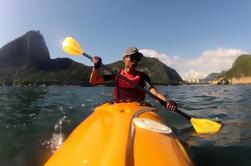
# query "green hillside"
(241, 67)
(213, 76)
(78, 74)
(74, 74)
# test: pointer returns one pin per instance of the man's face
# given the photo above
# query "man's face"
(131, 62)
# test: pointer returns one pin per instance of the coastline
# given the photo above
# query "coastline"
(235, 81)
(241, 80)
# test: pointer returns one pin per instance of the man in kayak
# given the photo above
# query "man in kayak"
(124, 90)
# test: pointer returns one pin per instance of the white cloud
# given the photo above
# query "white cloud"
(164, 58)
(208, 62)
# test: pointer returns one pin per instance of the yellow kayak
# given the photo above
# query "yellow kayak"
(121, 134)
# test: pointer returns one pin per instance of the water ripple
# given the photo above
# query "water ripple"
(41, 118)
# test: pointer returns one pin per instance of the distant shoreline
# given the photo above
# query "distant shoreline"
(235, 81)
(241, 80)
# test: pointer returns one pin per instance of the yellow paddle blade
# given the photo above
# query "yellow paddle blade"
(71, 46)
(205, 126)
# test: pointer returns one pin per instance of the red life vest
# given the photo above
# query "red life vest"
(124, 90)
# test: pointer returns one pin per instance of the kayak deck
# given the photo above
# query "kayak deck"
(109, 136)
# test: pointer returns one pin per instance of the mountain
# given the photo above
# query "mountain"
(240, 72)
(26, 61)
(213, 76)
(28, 49)
(240, 68)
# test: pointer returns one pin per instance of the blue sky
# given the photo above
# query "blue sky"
(191, 36)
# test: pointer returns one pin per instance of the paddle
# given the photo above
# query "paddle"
(202, 126)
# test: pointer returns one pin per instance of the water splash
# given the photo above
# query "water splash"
(56, 141)
(57, 138)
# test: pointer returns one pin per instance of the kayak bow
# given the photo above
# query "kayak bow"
(118, 134)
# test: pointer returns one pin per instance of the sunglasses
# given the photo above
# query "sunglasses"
(134, 57)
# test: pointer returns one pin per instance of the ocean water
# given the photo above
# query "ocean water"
(34, 122)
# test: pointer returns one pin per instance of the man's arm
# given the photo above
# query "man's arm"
(149, 85)
(95, 79)
(171, 105)
(156, 93)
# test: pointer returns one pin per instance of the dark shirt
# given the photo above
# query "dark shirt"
(145, 81)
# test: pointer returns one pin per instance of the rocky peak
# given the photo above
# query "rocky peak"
(29, 49)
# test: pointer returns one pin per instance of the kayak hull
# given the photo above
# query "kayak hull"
(109, 136)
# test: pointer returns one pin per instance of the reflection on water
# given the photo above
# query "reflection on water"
(35, 121)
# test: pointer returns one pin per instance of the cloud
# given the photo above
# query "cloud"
(208, 62)
(164, 58)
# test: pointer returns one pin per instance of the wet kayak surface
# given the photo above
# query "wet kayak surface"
(36, 121)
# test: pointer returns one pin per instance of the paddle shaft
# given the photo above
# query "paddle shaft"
(162, 102)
